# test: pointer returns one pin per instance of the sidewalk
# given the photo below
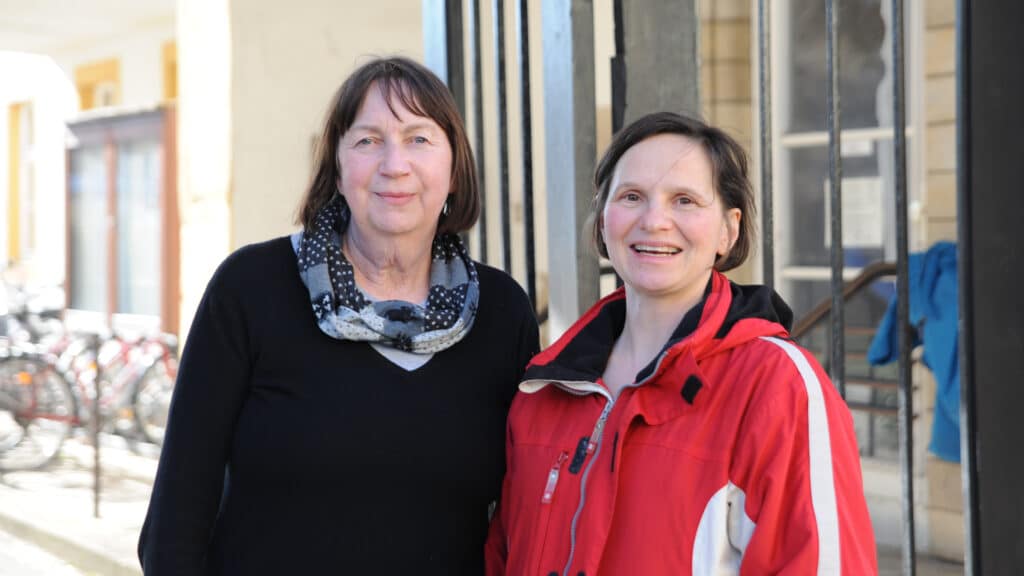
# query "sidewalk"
(53, 508)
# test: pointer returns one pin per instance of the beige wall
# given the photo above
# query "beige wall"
(287, 60)
(939, 215)
(725, 87)
(254, 81)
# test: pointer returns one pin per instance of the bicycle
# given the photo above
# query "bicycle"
(46, 391)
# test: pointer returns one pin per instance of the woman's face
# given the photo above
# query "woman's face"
(663, 222)
(396, 170)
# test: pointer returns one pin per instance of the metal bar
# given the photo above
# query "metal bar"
(94, 349)
(506, 219)
(570, 149)
(968, 399)
(478, 115)
(454, 53)
(619, 80)
(523, 22)
(904, 394)
(835, 170)
(765, 84)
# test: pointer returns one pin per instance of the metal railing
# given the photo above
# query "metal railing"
(837, 350)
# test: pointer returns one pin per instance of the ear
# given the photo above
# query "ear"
(731, 230)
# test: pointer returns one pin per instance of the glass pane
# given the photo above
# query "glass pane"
(88, 215)
(138, 227)
(864, 55)
(867, 205)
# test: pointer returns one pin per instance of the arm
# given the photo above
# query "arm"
(798, 463)
(215, 368)
(496, 547)
(495, 550)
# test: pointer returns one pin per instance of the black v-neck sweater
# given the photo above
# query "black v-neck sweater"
(290, 452)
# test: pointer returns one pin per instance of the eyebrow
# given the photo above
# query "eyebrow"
(413, 127)
(631, 184)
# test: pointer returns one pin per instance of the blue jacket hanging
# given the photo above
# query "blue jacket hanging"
(934, 308)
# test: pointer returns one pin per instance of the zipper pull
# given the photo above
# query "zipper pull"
(549, 488)
(595, 436)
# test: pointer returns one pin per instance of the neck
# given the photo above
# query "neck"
(650, 322)
(389, 268)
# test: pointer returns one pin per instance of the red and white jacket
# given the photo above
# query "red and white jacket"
(732, 454)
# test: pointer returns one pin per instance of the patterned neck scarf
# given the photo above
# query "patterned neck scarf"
(344, 312)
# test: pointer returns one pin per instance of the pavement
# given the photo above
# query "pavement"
(53, 510)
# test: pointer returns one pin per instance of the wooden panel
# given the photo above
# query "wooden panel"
(13, 183)
(169, 57)
(88, 77)
(171, 248)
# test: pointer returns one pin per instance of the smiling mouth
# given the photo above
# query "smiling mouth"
(655, 250)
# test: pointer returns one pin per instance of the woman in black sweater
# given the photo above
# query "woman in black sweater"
(341, 400)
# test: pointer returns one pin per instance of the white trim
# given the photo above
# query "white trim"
(580, 387)
(722, 534)
(823, 488)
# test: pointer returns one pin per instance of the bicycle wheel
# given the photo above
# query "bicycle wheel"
(36, 412)
(151, 398)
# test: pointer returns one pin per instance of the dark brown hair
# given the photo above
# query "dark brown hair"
(423, 93)
(728, 174)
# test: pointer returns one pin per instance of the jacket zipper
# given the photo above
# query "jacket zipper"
(594, 447)
(549, 488)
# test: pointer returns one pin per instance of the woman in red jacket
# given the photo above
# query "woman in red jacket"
(674, 429)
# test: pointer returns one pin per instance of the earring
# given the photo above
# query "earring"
(444, 209)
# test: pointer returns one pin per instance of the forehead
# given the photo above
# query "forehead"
(394, 101)
(664, 158)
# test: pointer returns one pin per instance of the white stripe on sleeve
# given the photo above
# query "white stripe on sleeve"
(823, 489)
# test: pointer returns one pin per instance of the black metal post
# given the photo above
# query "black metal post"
(506, 217)
(454, 53)
(965, 266)
(835, 170)
(523, 22)
(905, 393)
(478, 115)
(765, 85)
(990, 120)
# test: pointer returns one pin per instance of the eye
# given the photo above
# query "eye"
(366, 141)
(420, 140)
(684, 201)
(630, 196)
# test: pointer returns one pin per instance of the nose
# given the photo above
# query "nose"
(394, 161)
(655, 217)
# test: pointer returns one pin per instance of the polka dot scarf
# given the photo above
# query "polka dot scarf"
(343, 311)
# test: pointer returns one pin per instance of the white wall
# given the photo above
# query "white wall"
(139, 51)
(204, 145)
(37, 80)
(287, 61)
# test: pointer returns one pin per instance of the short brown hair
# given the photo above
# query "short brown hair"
(728, 174)
(423, 93)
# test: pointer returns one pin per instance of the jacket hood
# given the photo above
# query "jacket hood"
(728, 316)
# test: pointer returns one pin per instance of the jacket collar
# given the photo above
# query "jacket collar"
(727, 316)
